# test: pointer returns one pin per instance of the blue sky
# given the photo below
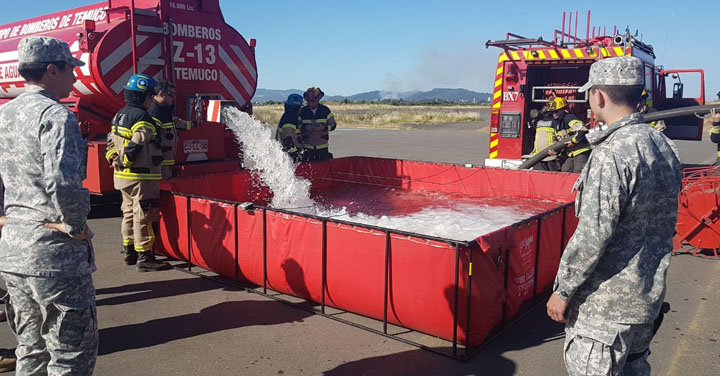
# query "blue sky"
(349, 47)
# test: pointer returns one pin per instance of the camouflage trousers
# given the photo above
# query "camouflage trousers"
(55, 323)
(595, 347)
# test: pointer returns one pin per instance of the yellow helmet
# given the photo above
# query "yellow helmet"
(557, 103)
(644, 94)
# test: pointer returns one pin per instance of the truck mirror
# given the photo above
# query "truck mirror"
(677, 90)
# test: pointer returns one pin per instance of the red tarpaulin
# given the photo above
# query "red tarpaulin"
(509, 266)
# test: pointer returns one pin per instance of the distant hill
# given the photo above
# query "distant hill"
(451, 95)
(266, 95)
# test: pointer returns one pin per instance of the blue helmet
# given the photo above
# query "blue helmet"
(294, 100)
(140, 82)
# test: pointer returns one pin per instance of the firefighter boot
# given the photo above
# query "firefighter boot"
(146, 263)
(129, 255)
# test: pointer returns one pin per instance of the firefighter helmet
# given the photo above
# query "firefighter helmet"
(294, 100)
(313, 94)
(140, 82)
(557, 103)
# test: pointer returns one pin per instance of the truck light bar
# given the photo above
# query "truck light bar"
(509, 43)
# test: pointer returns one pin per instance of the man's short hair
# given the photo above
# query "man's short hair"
(34, 72)
(628, 95)
(164, 86)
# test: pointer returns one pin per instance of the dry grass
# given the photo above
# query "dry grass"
(377, 116)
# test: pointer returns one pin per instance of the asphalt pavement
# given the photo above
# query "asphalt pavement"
(175, 323)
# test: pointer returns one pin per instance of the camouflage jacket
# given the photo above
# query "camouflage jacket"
(614, 266)
(42, 163)
(2, 198)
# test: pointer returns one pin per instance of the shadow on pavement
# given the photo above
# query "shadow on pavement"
(216, 318)
(157, 289)
(531, 330)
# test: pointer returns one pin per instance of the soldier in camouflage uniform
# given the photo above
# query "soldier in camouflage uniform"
(611, 279)
(46, 256)
(7, 356)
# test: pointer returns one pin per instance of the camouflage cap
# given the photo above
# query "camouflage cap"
(45, 50)
(625, 70)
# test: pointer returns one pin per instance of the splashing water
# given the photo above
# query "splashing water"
(462, 222)
(428, 213)
(434, 213)
(268, 161)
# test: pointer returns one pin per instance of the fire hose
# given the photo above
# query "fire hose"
(698, 111)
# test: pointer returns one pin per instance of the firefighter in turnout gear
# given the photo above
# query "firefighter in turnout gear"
(577, 149)
(547, 132)
(316, 123)
(135, 154)
(644, 108)
(288, 130)
(162, 111)
(715, 132)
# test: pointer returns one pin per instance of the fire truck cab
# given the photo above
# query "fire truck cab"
(532, 71)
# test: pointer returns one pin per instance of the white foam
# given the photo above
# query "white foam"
(460, 222)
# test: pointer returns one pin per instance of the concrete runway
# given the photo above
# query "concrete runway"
(174, 323)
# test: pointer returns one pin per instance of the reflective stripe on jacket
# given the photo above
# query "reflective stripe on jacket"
(577, 129)
(315, 128)
(288, 131)
(134, 139)
(715, 136)
(546, 134)
(167, 125)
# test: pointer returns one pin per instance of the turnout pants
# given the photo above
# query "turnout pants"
(316, 155)
(576, 163)
(55, 323)
(552, 165)
(595, 347)
(140, 208)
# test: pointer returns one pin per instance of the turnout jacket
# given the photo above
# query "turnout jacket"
(42, 163)
(167, 125)
(288, 133)
(715, 137)
(315, 128)
(615, 264)
(575, 127)
(547, 132)
(134, 139)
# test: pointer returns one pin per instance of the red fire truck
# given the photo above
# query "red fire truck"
(530, 71)
(183, 41)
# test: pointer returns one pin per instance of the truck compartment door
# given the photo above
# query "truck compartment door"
(681, 88)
